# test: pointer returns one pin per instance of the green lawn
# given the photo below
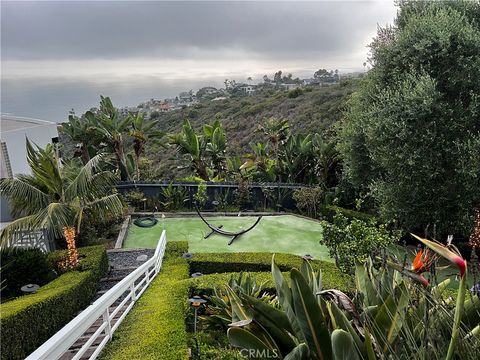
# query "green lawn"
(276, 234)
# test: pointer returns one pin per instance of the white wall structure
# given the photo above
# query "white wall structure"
(14, 131)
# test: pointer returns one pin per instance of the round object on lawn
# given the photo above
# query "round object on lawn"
(197, 274)
(187, 255)
(307, 257)
(145, 222)
(30, 288)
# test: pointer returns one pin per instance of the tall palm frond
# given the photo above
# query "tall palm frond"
(142, 131)
(30, 198)
(89, 182)
(51, 200)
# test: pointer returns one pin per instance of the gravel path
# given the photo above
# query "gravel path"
(123, 258)
(121, 263)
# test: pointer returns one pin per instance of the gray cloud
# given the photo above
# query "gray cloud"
(59, 55)
(111, 30)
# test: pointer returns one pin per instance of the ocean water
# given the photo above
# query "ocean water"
(52, 98)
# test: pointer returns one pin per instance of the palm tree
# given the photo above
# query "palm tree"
(142, 131)
(295, 160)
(215, 145)
(56, 200)
(277, 132)
(82, 132)
(189, 144)
(112, 127)
(258, 165)
(327, 160)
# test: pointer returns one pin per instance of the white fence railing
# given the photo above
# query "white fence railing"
(104, 312)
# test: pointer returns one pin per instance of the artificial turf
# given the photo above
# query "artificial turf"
(275, 234)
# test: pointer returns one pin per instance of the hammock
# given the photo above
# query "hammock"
(219, 230)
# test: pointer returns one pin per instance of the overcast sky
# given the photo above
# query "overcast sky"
(59, 55)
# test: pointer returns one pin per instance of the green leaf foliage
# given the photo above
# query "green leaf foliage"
(40, 315)
(412, 135)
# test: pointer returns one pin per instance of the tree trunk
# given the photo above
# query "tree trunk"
(72, 260)
(85, 155)
(121, 162)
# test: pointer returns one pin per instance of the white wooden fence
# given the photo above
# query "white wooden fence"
(102, 312)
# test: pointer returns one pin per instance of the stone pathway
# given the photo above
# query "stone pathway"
(121, 263)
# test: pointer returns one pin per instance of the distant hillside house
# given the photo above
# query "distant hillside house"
(290, 86)
(248, 89)
(207, 90)
(185, 97)
(165, 107)
(127, 110)
(13, 152)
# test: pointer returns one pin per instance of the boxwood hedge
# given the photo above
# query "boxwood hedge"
(155, 327)
(209, 263)
(204, 285)
(28, 321)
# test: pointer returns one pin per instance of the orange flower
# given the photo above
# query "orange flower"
(423, 261)
(448, 252)
(417, 264)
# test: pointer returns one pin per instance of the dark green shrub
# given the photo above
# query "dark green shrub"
(329, 211)
(243, 195)
(173, 197)
(355, 240)
(30, 320)
(309, 200)
(294, 93)
(411, 133)
(97, 231)
(21, 267)
(201, 196)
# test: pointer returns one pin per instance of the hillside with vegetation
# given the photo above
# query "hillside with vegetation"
(308, 110)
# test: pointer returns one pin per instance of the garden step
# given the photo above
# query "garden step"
(107, 279)
(86, 336)
(122, 262)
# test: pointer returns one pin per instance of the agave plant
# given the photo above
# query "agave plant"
(219, 310)
(395, 314)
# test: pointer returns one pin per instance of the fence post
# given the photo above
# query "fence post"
(147, 278)
(108, 328)
(132, 292)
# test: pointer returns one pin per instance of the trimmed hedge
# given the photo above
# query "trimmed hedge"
(155, 327)
(23, 266)
(28, 321)
(331, 278)
(208, 263)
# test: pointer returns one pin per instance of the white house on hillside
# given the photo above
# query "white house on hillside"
(14, 131)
